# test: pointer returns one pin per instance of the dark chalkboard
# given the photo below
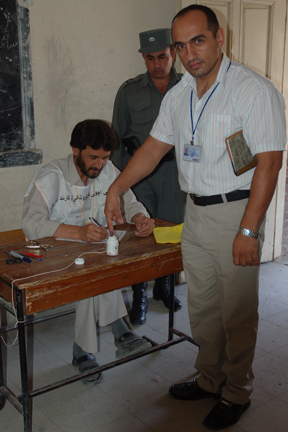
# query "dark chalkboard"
(17, 137)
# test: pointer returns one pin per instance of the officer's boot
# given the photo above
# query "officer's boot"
(161, 291)
(139, 308)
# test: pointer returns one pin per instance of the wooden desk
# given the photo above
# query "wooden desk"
(139, 259)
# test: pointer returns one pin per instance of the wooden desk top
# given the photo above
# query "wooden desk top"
(139, 259)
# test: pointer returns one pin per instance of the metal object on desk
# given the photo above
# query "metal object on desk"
(12, 259)
(36, 245)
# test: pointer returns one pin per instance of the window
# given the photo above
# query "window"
(17, 133)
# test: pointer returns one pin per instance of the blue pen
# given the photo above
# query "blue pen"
(31, 257)
(17, 255)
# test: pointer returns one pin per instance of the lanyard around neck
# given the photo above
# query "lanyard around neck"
(191, 109)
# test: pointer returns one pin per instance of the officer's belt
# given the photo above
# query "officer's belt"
(132, 144)
(168, 157)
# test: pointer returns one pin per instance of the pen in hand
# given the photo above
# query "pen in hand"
(94, 222)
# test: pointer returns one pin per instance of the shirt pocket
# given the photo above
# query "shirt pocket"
(141, 112)
(217, 127)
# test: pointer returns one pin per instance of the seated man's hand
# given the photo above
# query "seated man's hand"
(144, 226)
(92, 233)
(88, 233)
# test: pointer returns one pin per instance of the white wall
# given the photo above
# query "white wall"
(81, 53)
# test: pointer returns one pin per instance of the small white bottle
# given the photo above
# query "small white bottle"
(112, 245)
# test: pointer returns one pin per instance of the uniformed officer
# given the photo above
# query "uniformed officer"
(136, 107)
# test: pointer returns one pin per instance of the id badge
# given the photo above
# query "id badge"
(192, 153)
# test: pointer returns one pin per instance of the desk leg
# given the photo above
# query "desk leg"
(2, 397)
(171, 307)
(23, 361)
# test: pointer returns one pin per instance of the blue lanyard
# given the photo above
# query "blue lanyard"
(191, 110)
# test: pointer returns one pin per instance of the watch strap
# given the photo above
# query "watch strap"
(248, 233)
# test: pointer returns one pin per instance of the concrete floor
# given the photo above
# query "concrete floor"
(134, 397)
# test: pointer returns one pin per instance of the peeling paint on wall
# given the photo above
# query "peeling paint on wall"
(23, 157)
(59, 73)
(63, 81)
(25, 3)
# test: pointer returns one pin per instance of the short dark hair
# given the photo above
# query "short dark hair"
(212, 21)
(94, 133)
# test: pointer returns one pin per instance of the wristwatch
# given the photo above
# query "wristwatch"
(248, 233)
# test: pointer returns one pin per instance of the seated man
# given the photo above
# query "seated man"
(83, 178)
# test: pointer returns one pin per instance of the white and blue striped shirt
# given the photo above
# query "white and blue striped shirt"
(243, 100)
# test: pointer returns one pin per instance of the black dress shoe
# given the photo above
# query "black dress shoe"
(138, 311)
(189, 391)
(86, 363)
(224, 414)
(161, 291)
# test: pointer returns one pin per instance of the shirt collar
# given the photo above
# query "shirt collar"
(222, 73)
(189, 80)
(174, 79)
(147, 80)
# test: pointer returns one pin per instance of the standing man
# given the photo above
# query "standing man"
(60, 201)
(224, 221)
(136, 108)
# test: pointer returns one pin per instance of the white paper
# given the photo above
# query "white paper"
(119, 234)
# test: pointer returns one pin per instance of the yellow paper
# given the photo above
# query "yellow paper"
(168, 234)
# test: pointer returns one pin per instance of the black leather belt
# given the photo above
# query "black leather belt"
(218, 199)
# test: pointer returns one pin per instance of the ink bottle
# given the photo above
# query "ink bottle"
(112, 246)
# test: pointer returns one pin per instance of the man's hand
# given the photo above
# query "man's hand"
(142, 163)
(112, 209)
(89, 233)
(92, 233)
(245, 251)
(144, 226)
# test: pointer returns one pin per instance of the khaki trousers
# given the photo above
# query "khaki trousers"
(222, 299)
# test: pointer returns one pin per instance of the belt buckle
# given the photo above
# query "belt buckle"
(198, 200)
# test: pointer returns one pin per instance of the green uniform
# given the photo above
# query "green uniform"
(136, 108)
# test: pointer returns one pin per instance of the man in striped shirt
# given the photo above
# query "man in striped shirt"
(224, 221)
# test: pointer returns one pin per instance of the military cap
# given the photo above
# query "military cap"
(155, 40)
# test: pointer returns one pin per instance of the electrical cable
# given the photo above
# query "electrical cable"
(29, 277)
